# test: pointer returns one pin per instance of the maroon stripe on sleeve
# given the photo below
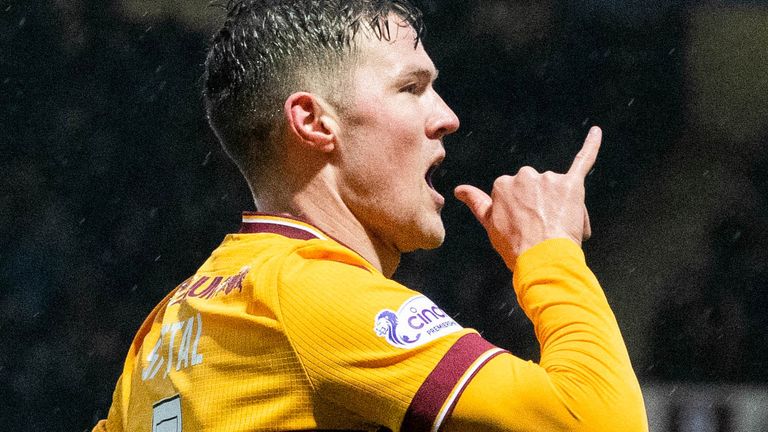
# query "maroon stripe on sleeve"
(436, 389)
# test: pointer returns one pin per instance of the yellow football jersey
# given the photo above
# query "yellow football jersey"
(283, 328)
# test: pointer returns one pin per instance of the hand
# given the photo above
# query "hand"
(529, 207)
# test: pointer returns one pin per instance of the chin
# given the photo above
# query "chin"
(426, 239)
(436, 240)
(434, 245)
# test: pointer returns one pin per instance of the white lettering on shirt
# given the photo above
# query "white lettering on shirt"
(165, 348)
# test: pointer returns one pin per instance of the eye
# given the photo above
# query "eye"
(412, 88)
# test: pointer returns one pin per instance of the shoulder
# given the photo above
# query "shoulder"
(323, 261)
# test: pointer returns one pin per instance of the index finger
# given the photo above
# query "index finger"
(586, 157)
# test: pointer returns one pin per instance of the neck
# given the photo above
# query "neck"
(316, 201)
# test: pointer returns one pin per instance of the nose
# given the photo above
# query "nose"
(443, 120)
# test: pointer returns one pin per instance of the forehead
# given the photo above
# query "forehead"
(394, 57)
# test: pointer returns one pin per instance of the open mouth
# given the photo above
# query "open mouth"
(430, 172)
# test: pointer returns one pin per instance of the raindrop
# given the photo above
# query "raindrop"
(672, 51)
(81, 221)
(736, 235)
(469, 134)
(584, 123)
(22, 22)
(631, 102)
(207, 159)
(6, 81)
(134, 288)
(157, 258)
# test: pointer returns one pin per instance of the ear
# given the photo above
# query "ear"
(311, 120)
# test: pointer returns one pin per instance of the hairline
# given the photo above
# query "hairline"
(326, 75)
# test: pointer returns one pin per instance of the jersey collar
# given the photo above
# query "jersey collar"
(284, 225)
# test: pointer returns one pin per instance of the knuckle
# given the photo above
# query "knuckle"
(502, 181)
(527, 171)
(555, 179)
(549, 175)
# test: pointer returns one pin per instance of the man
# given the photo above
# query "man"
(328, 109)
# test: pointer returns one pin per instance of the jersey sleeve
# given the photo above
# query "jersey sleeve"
(374, 348)
(584, 380)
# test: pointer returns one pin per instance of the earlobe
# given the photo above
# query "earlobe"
(308, 119)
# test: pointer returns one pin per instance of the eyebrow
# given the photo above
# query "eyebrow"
(421, 73)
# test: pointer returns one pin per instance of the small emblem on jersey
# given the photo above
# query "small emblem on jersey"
(417, 322)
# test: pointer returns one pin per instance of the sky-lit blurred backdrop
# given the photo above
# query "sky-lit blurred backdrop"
(113, 190)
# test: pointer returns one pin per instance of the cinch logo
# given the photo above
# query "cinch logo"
(417, 322)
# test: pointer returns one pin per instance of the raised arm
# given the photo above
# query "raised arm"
(584, 380)
(528, 208)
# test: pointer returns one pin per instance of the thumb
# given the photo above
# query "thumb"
(478, 201)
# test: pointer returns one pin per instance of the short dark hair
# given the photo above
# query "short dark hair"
(268, 49)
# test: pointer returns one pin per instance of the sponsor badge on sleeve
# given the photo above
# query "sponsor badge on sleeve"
(417, 322)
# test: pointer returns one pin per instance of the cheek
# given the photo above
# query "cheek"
(383, 146)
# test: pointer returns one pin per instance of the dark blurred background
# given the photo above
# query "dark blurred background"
(113, 190)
